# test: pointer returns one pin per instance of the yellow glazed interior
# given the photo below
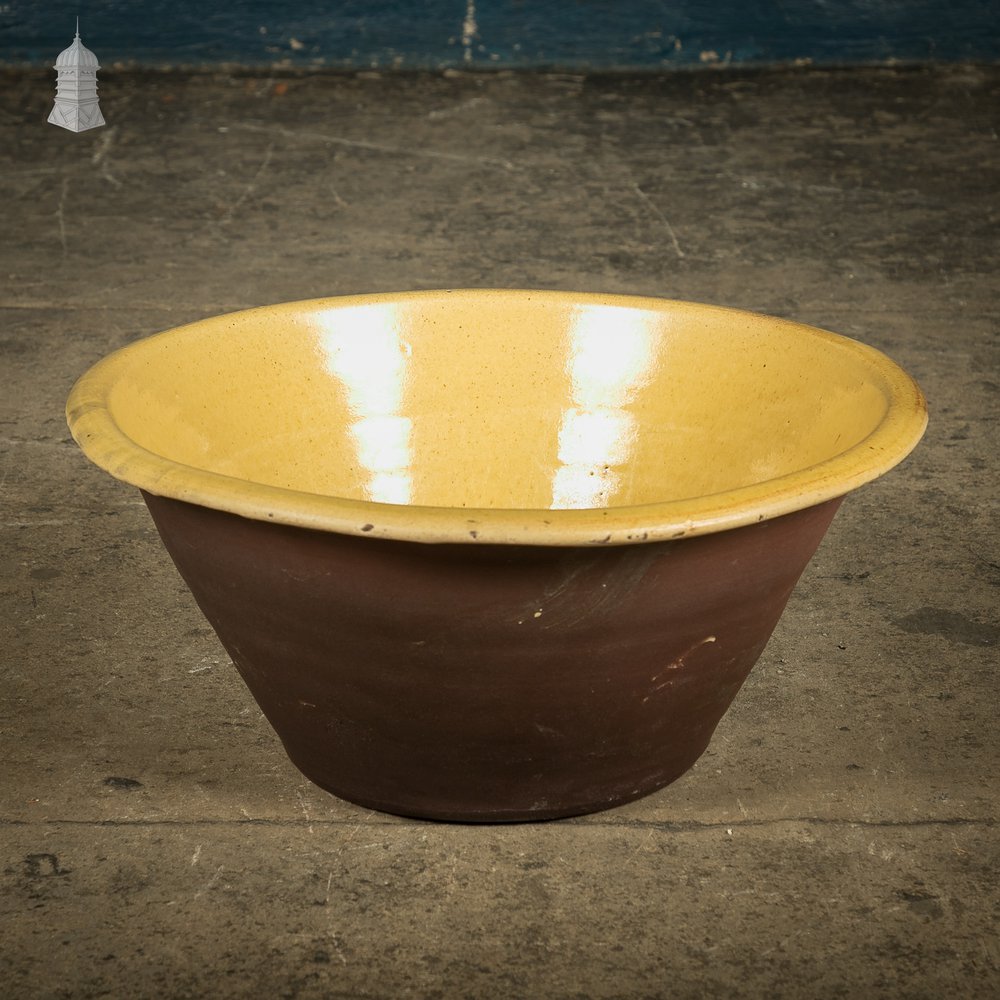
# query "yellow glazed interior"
(498, 416)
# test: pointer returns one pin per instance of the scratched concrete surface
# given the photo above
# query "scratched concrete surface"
(839, 838)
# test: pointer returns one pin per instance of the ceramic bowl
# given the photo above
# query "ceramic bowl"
(494, 555)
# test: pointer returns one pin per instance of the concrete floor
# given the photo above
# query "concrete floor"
(839, 837)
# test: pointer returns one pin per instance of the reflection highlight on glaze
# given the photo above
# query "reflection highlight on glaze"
(612, 352)
(364, 350)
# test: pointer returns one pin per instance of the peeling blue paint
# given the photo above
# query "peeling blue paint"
(435, 34)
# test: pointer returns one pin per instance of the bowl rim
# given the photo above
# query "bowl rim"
(103, 442)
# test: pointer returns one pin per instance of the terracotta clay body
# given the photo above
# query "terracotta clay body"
(492, 682)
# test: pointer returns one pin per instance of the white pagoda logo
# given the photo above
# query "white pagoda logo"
(76, 106)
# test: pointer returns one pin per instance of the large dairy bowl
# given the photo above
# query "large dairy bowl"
(494, 555)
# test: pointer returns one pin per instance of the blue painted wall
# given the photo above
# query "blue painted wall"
(570, 34)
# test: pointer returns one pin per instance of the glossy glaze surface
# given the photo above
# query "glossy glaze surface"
(498, 416)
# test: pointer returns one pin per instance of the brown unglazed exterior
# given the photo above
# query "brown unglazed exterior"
(489, 682)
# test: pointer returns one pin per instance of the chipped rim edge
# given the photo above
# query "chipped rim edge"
(106, 445)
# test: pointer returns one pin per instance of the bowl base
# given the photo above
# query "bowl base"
(539, 811)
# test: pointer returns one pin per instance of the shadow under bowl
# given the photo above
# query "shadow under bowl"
(494, 555)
